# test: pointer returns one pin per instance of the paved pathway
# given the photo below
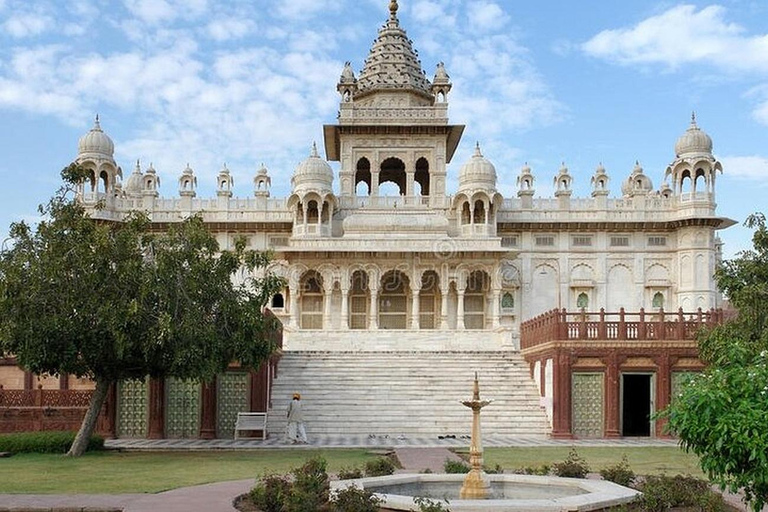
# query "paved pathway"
(361, 441)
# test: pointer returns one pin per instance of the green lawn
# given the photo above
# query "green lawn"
(139, 472)
(643, 460)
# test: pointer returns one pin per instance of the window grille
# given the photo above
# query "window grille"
(619, 241)
(582, 241)
(509, 241)
(545, 241)
(657, 241)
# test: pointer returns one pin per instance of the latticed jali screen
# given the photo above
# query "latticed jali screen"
(393, 311)
(427, 309)
(358, 316)
(474, 311)
(312, 311)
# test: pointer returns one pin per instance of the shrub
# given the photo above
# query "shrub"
(428, 505)
(354, 499)
(456, 466)
(310, 489)
(574, 466)
(542, 470)
(350, 473)
(270, 493)
(661, 493)
(495, 470)
(380, 466)
(620, 473)
(44, 442)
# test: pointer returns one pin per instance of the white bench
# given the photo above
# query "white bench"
(251, 421)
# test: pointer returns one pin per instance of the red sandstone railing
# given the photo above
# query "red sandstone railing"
(559, 325)
(45, 397)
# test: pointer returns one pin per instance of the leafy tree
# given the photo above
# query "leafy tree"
(722, 414)
(114, 300)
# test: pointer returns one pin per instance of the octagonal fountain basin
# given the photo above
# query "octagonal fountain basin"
(508, 492)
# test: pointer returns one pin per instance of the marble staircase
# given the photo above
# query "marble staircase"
(407, 393)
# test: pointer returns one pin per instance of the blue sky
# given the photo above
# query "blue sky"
(250, 82)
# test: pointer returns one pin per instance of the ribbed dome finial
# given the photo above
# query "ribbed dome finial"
(393, 9)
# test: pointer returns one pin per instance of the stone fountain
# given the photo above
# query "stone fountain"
(476, 484)
(492, 493)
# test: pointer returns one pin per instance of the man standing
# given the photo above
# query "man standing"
(296, 432)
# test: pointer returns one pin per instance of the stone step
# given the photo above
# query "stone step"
(406, 393)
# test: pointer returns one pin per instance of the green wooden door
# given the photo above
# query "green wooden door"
(132, 408)
(587, 400)
(182, 408)
(232, 396)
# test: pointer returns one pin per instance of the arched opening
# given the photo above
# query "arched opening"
(582, 301)
(658, 300)
(479, 212)
(359, 300)
(700, 183)
(422, 176)
(278, 301)
(363, 177)
(104, 179)
(441, 97)
(300, 212)
(326, 215)
(466, 216)
(429, 300)
(312, 212)
(392, 171)
(685, 181)
(475, 295)
(312, 301)
(393, 301)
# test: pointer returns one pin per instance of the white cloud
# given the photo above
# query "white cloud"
(155, 12)
(487, 16)
(434, 13)
(296, 10)
(684, 35)
(28, 24)
(746, 167)
(225, 29)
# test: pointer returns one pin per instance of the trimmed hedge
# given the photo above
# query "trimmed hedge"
(44, 442)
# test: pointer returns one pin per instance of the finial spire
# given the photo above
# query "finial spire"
(314, 150)
(393, 9)
(96, 124)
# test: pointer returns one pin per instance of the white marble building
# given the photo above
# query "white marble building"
(431, 268)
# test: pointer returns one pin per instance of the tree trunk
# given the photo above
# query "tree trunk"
(80, 443)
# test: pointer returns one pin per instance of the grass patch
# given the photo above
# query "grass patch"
(151, 472)
(650, 460)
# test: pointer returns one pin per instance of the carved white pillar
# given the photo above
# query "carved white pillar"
(294, 306)
(344, 309)
(327, 296)
(444, 309)
(495, 308)
(460, 311)
(373, 321)
(415, 309)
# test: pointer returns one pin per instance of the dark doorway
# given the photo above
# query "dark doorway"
(636, 405)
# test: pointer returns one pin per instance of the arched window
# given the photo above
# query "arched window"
(363, 175)
(312, 301)
(507, 303)
(312, 212)
(104, 177)
(478, 285)
(466, 217)
(658, 300)
(479, 212)
(429, 300)
(278, 301)
(582, 301)
(359, 299)
(326, 215)
(422, 176)
(393, 301)
(393, 171)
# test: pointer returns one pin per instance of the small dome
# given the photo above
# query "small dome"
(96, 141)
(133, 184)
(478, 172)
(637, 183)
(693, 141)
(313, 172)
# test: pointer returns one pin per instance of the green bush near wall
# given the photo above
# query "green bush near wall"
(44, 442)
